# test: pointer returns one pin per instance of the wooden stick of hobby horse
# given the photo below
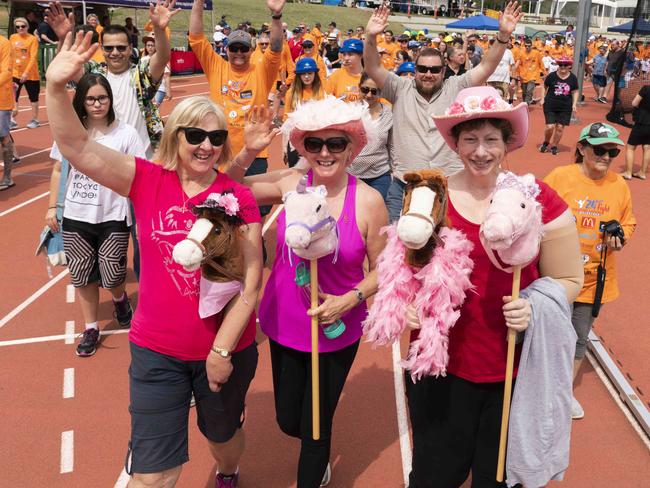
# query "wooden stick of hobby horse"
(507, 390)
(315, 383)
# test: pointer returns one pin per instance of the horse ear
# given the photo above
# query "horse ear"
(412, 178)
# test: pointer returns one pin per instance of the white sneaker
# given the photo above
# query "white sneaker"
(33, 124)
(327, 476)
(577, 411)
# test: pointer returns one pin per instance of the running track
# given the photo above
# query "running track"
(65, 423)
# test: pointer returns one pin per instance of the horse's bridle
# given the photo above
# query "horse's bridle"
(208, 258)
(313, 229)
(429, 219)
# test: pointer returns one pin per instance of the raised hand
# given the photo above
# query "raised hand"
(378, 21)
(56, 18)
(509, 18)
(259, 130)
(71, 58)
(275, 6)
(161, 13)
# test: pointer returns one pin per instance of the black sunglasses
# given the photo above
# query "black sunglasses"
(120, 48)
(366, 89)
(196, 136)
(239, 48)
(431, 69)
(601, 151)
(334, 144)
(21, 26)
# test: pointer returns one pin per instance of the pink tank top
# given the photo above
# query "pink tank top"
(283, 310)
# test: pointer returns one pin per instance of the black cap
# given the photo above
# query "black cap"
(307, 43)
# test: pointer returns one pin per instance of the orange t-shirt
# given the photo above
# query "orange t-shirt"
(318, 36)
(149, 28)
(25, 48)
(556, 51)
(287, 66)
(388, 56)
(236, 91)
(6, 75)
(343, 85)
(530, 66)
(593, 202)
(307, 94)
(99, 29)
(322, 70)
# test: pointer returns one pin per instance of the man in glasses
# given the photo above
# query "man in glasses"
(529, 68)
(417, 142)
(6, 105)
(238, 84)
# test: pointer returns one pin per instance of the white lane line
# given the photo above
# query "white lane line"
(69, 294)
(67, 451)
(43, 124)
(21, 205)
(67, 337)
(68, 383)
(33, 298)
(617, 399)
(402, 422)
(23, 156)
(69, 332)
(122, 480)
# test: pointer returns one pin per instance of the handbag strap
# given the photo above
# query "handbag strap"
(63, 188)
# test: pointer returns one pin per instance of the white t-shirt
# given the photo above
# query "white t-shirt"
(87, 200)
(549, 64)
(127, 110)
(502, 73)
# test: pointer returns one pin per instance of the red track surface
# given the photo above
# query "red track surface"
(606, 452)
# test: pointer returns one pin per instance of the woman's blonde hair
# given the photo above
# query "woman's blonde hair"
(189, 113)
(23, 20)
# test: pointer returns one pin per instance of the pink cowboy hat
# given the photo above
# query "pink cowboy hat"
(483, 102)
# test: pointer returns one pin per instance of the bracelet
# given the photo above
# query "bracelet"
(276, 16)
(224, 353)
(55, 206)
(236, 163)
(499, 40)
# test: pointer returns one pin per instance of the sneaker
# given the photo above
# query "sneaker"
(543, 147)
(554, 150)
(5, 185)
(13, 124)
(88, 344)
(123, 312)
(230, 481)
(33, 124)
(576, 409)
(327, 477)
(16, 160)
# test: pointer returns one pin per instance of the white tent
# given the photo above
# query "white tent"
(602, 11)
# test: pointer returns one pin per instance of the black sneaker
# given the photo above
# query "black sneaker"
(88, 344)
(123, 312)
(543, 147)
(554, 150)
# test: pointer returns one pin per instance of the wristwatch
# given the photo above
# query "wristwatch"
(224, 353)
(360, 296)
(277, 16)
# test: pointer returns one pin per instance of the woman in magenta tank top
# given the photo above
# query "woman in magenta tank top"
(328, 134)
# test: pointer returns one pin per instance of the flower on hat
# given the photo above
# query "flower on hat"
(455, 109)
(488, 103)
(475, 103)
(226, 201)
(472, 103)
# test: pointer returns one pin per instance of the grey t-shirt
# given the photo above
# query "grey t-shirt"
(416, 140)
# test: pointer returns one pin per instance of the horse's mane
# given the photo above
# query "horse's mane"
(224, 259)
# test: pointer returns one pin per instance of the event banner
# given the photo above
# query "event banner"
(184, 4)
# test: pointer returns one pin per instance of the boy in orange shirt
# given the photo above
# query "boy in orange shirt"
(529, 67)
(344, 82)
(25, 69)
(6, 106)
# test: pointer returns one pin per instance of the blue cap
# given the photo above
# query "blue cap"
(306, 65)
(352, 46)
(408, 67)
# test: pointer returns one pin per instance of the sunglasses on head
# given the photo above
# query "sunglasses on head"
(431, 69)
(196, 136)
(334, 144)
(109, 49)
(601, 151)
(239, 48)
(366, 89)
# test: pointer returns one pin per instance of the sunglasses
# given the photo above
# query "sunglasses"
(196, 136)
(334, 144)
(21, 26)
(110, 49)
(420, 68)
(601, 151)
(366, 89)
(102, 99)
(239, 48)
(263, 43)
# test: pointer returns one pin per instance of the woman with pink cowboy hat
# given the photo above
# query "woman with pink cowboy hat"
(328, 134)
(456, 419)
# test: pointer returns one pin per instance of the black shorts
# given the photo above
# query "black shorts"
(33, 88)
(562, 118)
(96, 252)
(640, 135)
(161, 388)
(599, 80)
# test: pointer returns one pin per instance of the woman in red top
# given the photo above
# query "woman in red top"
(456, 419)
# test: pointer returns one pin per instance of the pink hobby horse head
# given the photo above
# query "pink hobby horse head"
(311, 231)
(513, 223)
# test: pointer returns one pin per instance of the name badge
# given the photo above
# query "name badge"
(246, 94)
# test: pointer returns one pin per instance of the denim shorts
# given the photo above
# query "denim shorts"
(5, 120)
(161, 388)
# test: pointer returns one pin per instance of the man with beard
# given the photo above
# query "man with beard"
(417, 142)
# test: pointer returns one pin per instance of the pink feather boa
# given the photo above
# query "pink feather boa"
(437, 291)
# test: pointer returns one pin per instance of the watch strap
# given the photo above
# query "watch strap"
(224, 353)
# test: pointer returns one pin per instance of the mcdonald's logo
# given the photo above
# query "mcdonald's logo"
(588, 223)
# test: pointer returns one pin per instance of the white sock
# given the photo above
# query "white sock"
(121, 299)
(92, 325)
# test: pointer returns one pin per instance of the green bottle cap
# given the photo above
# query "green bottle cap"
(302, 274)
(334, 330)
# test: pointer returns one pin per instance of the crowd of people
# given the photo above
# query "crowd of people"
(357, 111)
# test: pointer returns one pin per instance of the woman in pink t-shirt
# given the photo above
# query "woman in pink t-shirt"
(174, 352)
(456, 418)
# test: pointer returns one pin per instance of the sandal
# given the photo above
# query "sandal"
(626, 176)
(639, 175)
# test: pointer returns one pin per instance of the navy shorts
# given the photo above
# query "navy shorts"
(161, 388)
(599, 80)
